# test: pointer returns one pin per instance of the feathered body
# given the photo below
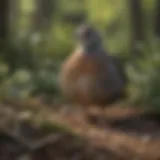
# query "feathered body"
(90, 76)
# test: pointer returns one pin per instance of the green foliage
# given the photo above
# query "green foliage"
(145, 77)
(30, 62)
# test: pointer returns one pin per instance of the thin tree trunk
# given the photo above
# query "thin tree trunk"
(4, 10)
(137, 24)
(157, 19)
(14, 14)
(43, 14)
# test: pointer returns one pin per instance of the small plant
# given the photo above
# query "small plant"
(145, 79)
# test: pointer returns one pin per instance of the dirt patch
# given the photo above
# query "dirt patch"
(146, 123)
(61, 145)
(138, 123)
(128, 133)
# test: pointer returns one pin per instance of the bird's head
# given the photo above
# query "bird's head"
(88, 37)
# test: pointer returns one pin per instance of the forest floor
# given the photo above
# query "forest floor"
(34, 131)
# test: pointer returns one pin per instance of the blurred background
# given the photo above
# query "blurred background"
(37, 35)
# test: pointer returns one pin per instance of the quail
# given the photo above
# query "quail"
(90, 75)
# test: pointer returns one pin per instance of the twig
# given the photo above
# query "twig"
(35, 145)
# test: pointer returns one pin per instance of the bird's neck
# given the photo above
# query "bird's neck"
(91, 49)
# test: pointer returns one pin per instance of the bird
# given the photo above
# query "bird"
(90, 75)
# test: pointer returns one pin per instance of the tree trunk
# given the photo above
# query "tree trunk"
(14, 15)
(157, 19)
(42, 19)
(137, 24)
(4, 11)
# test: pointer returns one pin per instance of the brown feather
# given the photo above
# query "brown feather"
(94, 79)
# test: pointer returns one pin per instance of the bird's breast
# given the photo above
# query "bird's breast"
(87, 78)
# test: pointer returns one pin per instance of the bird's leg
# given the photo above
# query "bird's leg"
(102, 120)
(95, 116)
(104, 116)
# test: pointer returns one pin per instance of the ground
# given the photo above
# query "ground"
(45, 132)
